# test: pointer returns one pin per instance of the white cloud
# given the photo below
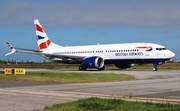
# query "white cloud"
(139, 13)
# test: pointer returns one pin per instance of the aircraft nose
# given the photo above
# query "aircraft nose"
(171, 54)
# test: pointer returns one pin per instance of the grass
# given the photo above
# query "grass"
(64, 77)
(97, 104)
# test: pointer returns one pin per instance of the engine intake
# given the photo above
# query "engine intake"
(93, 62)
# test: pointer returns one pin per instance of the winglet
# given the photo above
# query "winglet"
(11, 47)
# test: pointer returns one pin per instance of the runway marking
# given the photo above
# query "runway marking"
(7, 94)
(76, 95)
(139, 82)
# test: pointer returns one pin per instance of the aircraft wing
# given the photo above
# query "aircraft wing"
(62, 56)
(41, 53)
(11, 48)
(52, 56)
(28, 49)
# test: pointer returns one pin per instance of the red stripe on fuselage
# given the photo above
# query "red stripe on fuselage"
(38, 28)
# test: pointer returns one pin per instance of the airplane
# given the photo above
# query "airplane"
(122, 55)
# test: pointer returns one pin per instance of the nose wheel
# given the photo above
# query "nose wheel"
(155, 67)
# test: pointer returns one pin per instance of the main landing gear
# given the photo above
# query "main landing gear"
(82, 68)
(101, 69)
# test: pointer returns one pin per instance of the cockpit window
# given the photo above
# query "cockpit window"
(159, 49)
(164, 49)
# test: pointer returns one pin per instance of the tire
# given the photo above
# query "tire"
(155, 69)
(101, 69)
(82, 68)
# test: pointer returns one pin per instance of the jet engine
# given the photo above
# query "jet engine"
(93, 62)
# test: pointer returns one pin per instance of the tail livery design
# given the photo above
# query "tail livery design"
(42, 39)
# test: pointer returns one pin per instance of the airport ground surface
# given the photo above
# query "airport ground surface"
(23, 96)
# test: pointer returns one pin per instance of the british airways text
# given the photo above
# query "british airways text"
(129, 54)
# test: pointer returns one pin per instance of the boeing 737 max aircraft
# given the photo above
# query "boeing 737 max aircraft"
(96, 56)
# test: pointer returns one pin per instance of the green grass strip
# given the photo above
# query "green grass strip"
(96, 104)
(65, 77)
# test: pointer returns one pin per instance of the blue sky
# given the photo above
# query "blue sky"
(81, 22)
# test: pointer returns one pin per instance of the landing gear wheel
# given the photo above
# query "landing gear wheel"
(81, 67)
(101, 69)
(154, 68)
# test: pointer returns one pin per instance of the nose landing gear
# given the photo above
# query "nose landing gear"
(155, 66)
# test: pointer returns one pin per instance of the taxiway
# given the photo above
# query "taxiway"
(22, 96)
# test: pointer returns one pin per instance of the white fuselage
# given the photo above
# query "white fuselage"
(118, 53)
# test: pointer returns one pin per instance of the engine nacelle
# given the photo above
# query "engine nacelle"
(123, 66)
(93, 62)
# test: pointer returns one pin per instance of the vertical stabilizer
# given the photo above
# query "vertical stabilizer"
(43, 40)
